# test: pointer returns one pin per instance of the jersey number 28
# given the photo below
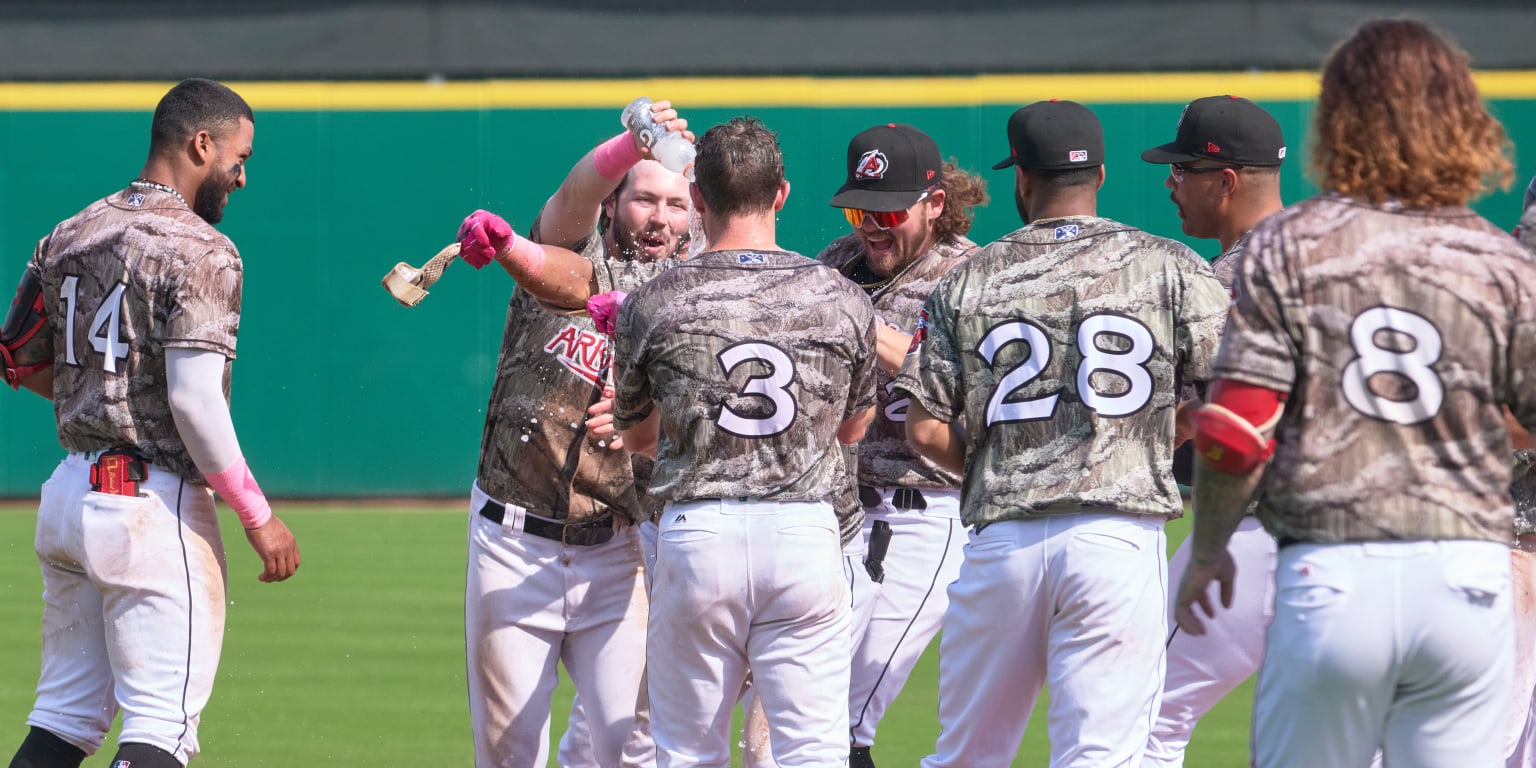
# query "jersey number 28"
(1129, 365)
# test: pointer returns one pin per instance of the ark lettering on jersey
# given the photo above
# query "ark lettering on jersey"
(583, 352)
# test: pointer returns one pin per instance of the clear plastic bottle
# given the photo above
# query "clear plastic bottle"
(674, 152)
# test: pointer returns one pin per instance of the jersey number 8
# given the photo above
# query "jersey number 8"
(1413, 365)
(1129, 365)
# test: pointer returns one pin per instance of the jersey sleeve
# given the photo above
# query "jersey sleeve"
(632, 401)
(1257, 347)
(1521, 366)
(205, 306)
(932, 370)
(865, 372)
(1202, 314)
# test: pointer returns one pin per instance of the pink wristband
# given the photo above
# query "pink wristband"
(524, 258)
(239, 489)
(616, 156)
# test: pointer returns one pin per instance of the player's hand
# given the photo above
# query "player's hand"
(1194, 589)
(275, 546)
(601, 421)
(664, 115)
(1184, 422)
(482, 235)
(604, 309)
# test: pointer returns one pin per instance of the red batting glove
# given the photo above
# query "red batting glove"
(482, 235)
(604, 309)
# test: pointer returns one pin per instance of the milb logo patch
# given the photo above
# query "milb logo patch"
(583, 352)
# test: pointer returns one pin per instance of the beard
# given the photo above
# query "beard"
(627, 239)
(1018, 202)
(211, 196)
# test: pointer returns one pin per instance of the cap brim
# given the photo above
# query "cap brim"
(1006, 163)
(1167, 154)
(874, 199)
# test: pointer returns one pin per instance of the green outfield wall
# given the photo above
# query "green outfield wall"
(338, 391)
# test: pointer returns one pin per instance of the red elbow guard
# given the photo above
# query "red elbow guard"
(1229, 430)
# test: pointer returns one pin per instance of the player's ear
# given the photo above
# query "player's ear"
(780, 196)
(936, 204)
(696, 198)
(200, 148)
(1101, 179)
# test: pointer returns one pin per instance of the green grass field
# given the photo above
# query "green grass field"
(359, 660)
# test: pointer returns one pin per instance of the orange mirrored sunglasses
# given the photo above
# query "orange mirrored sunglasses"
(883, 219)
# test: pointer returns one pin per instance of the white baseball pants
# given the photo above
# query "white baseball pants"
(1076, 601)
(905, 611)
(1407, 646)
(531, 603)
(749, 584)
(639, 750)
(1205, 668)
(133, 609)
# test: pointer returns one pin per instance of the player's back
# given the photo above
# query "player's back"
(1068, 341)
(754, 360)
(1404, 331)
(123, 279)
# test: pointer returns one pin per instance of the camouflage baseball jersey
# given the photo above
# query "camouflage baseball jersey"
(1526, 231)
(1225, 265)
(535, 450)
(754, 359)
(1399, 334)
(125, 279)
(886, 459)
(1523, 487)
(1079, 413)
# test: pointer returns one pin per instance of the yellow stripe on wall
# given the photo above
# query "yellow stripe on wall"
(721, 92)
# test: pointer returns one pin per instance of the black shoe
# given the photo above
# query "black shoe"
(858, 757)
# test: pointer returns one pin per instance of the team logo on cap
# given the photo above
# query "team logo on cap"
(1282, 153)
(1077, 156)
(1210, 146)
(871, 166)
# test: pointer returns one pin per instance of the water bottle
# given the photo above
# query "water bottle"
(674, 152)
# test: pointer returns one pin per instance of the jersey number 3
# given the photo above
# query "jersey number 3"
(1129, 365)
(1413, 365)
(105, 331)
(774, 386)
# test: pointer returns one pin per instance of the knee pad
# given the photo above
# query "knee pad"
(44, 749)
(136, 755)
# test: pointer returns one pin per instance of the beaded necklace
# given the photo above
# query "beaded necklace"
(147, 184)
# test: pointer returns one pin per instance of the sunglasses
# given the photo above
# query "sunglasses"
(883, 219)
(1179, 171)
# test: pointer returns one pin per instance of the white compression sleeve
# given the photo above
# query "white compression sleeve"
(195, 386)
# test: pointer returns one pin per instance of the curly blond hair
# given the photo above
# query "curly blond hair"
(1400, 118)
(963, 191)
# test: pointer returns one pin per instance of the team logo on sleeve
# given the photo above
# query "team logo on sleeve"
(919, 334)
(872, 165)
(583, 352)
(1066, 232)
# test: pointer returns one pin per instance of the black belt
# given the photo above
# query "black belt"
(574, 534)
(901, 498)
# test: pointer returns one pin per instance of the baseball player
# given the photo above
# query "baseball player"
(126, 319)
(1224, 177)
(743, 369)
(909, 211)
(555, 568)
(1062, 346)
(1378, 331)
(1520, 732)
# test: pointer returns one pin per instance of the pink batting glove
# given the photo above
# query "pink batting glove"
(482, 235)
(604, 309)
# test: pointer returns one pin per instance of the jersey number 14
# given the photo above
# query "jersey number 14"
(105, 331)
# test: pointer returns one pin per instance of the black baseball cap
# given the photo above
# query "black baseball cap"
(1054, 135)
(1230, 129)
(889, 168)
